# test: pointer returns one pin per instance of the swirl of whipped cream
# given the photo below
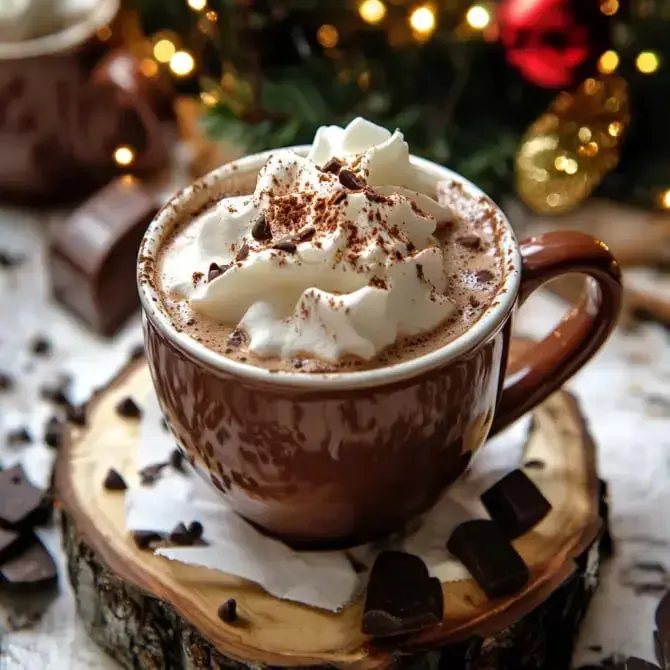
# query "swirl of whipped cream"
(321, 262)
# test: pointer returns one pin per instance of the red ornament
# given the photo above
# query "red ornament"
(548, 41)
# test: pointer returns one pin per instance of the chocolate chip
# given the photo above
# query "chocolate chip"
(306, 234)
(180, 536)
(481, 545)
(57, 392)
(286, 245)
(114, 481)
(41, 346)
(351, 180)
(334, 165)
(9, 260)
(242, 253)
(22, 505)
(19, 437)
(144, 539)
(151, 473)
(33, 570)
(195, 529)
(216, 270)
(535, 464)
(12, 544)
(128, 408)
(6, 382)
(516, 503)
(261, 230)
(177, 460)
(76, 414)
(484, 276)
(401, 597)
(53, 432)
(473, 242)
(228, 611)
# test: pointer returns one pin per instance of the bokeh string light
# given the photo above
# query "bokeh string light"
(164, 50)
(478, 17)
(422, 21)
(327, 36)
(182, 63)
(647, 62)
(124, 156)
(372, 11)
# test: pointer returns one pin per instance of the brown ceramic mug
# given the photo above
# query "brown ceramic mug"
(323, 459)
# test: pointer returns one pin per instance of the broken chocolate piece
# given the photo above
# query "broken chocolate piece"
(76, 414)
(285, 244)
(151, 473)
(305, 234)
(261, 230)
(228, 611)
(216, 270)
(351, 180)
(19, 437)
(53, 432)
(334, 165)
(177, 460)
(180, 536)
(144, 539)
(22, 505)
(195, 530)
(243, 253)
(473, 242)
(32, 570)
(128, 408)
(93, 259)
(481, 545)
(12, 544)
(516, 503)
(401, 596)
(6, 382)
(114, 481)
(41, 346)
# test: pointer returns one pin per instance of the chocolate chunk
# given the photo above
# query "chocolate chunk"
(180, 535)
(516, 503)
(401, 596)
(195, 530)
(76, 414)
(177, 460)
(351, 180)
(9, 260)
(53, 432)
(261, 230)
(114, 481)
(93, 259)
(12, 544)
(286, 245)
(481, 545)
(334, 165)
(57, 392)
(228, 611)
(6, 382)
(306, 234)
(32, 570)
(484, 276)
(535, 464)
(22, 505)
(128, 408)
(216, 270)
(145, 539)
(243, 253)
(151, 473)
(41, 346)
(473, 242)
(19, 437)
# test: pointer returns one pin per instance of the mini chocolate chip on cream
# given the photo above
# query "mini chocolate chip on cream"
(345, 266)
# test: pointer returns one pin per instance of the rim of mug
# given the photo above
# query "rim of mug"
(71, 36)
(487, 325)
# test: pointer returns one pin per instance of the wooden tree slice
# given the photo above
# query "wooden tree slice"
(149, 612)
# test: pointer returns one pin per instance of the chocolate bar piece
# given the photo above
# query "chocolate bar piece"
(482, 546)
(11, 544)
(516, 503)
(401, 596)
(93, 258)
(32, 570)
(22, 505)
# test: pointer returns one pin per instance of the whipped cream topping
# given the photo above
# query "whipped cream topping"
(332, 255)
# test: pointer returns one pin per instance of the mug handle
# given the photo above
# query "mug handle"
(583, 330)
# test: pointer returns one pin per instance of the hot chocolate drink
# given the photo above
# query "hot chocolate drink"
(336, 262)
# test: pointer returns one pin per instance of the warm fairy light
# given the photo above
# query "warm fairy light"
(148, 67)
(208, 99)
(608, 62)
(591, 149)
(328, 36)
(609, 7)
(164, 50)
(570, 166)
(182, 63)
(198, 5)
(372, 11)
(559, 163)
(364, 80)
(615, 128)
(124, 155)
(422, 20)
(478, 17)
(584, 134)
(647, 62)
(212, 15)
(664, 199)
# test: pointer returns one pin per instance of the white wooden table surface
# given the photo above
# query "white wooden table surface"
(633, 435)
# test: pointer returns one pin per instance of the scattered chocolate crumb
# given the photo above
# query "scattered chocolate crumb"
(177, 460)
(196, 277)
(41, 346)
(137, 352)
(128, 408)
(535, 464)
(285, 245)
(145, 538)
(216, 270)
(261, 230)
(114, 481)
(53, 432)
(473, 242)
(6, 382)
(151, 473)
(10, 260)
(228, 611)
(351, 180)
(19, 437)
(180, 536)
(76, 414)
(195, 529)
(334, 165)
(484, 276)
(242, 253)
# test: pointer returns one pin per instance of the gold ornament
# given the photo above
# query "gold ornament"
(568, 150)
